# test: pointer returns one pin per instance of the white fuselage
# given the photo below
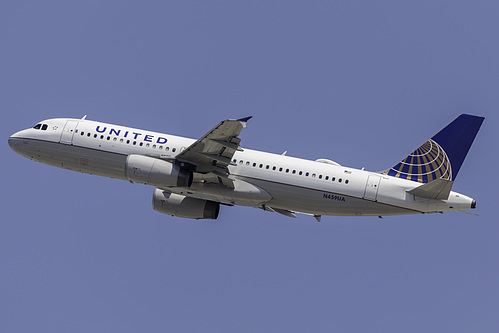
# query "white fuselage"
(260, 179)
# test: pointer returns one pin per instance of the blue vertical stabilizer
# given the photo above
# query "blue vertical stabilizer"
(442, 155)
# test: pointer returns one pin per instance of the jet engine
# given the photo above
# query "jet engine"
(182, 206)
(156, 172)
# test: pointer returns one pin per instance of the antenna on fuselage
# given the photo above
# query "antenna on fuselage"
(84, 117)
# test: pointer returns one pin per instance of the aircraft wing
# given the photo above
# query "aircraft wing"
(212, 154)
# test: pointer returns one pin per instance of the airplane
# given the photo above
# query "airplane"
(193, 178)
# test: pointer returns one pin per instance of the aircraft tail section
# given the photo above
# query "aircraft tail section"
(441, 156)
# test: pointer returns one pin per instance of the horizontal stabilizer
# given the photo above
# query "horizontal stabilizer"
(468, 213)
(438, 189)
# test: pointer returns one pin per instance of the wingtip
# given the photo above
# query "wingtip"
(244, 120)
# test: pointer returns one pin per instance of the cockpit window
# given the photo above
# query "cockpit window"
(37, 126)
(44, 127)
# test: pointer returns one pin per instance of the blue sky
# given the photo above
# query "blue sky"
(359, 82)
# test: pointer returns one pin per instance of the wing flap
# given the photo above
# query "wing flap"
(227, 144)
(218, 158)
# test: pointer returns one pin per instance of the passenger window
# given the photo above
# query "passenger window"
(306, 174)
(333, 179)
(346, 181)
(114, 139)
(248, 163)
(280, 169)
(313, 175)
(88, 134)
(287, 170)
(102, 137)
(127, 142)
(108, 138)
(134, 143)
(160, 147)
(121, 140)
(339, 180)
(300, 173)
(320, 176)
(261, 166)
(254, 165)
(37, 126)
(95, 136)
(241, 162)
(167, 148)
(327, 178)
(82, 133)
(147, 145)
(153, 146)
(273, 168)
(294, 171)
(267, 167)
(174, 149)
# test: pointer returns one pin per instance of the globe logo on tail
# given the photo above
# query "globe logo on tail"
(427, 163)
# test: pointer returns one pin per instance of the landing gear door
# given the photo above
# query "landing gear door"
(68, 132)
(372, 186)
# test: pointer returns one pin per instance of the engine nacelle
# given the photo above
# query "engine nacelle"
(182, 206)
(156, 172)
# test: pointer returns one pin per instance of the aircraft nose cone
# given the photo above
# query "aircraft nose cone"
(13, 143)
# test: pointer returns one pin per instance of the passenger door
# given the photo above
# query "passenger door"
(372, 186)
(68, 132)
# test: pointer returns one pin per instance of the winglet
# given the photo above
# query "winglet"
(244, 120)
